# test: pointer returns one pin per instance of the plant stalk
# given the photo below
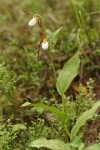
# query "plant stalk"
(62, 97)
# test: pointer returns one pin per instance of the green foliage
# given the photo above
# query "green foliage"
(60, 114)
(77, 143)
(7, 88)
(7, 81)
(93, 147)
(76, 107)
(54, 38)
(71, 111)
(9, 135)
(29, 69)
(19, 136)
(25, 78)
(53, 144)
(63, 117)
(38, 130)
(83, 118)
(85, 98)
(18, 127)
(67, 74)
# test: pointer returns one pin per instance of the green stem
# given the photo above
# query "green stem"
(64, 110)
(40, 22)
(52, 63)
(63, 101)
(53, 68)
(67, 131)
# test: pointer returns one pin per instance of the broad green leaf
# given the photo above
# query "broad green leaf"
(60, 114)
(53, 144)
(54, 38)
(67, 74)
(83, 118)
(94, 147)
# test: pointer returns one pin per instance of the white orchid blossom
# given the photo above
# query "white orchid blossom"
(33, 21)
(45, 44)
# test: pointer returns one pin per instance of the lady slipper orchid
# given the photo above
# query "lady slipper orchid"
(33, 21)
(45, 44)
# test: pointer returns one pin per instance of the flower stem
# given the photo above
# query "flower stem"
(63, 101)
(41, 23)
(52, 63)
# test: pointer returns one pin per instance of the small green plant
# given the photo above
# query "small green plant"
(7, 81)
(85, 100)
(7, 88)
(9, 135)
(63, 81)
(31, 68)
